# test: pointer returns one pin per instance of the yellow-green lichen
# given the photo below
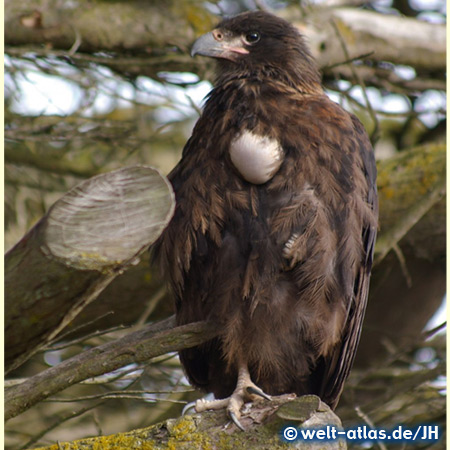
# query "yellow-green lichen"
(120, 441)
(184, 430)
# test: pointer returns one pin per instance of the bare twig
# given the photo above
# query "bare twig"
(151, 305)
(429, 333)
(401, 259)
(376, 130)
(76, 44)
(61, 420)
(128, 394)
(153, 340)
(108, 60)
(348, 61)
(52, 347)
(369, 422)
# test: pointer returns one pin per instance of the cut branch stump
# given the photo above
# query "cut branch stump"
(88, 237)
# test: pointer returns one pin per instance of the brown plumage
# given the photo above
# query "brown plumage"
(275, 222)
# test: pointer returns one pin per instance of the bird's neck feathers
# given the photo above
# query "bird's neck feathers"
(305, 78)
(297, 73)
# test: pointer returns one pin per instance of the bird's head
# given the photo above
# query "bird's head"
(260, 45)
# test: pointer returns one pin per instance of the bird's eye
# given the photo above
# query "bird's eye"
(252, 37)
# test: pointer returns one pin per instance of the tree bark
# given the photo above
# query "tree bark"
(411, 188)
(89, 237)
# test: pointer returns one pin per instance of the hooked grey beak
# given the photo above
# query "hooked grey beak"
(227, 48)
(206, 45)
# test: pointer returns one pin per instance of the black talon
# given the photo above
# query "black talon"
(236, 420)
(257, 391)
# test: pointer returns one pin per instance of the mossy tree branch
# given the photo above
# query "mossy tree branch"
(410, 184)
(263, 424)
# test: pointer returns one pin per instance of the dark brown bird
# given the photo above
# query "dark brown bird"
(275, 222)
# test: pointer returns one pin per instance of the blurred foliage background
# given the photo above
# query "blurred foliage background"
(91, 86)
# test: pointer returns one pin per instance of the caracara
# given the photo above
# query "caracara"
(275, 222)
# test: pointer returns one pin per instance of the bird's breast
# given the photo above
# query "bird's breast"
(257, 158)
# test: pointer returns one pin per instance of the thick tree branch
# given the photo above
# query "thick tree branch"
(263, 425)
(399, 39)
(162, 34)
(129, 26)
(411, 188)
(19, 154)
(91, 235)
(140, 346)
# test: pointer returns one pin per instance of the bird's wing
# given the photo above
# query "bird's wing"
(338, 365)
(327, 228)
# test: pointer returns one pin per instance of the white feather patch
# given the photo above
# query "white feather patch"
(257, 158)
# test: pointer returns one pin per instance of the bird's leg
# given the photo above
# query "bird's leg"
(245, 390)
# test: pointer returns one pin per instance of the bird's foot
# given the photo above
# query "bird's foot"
(245, 391)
